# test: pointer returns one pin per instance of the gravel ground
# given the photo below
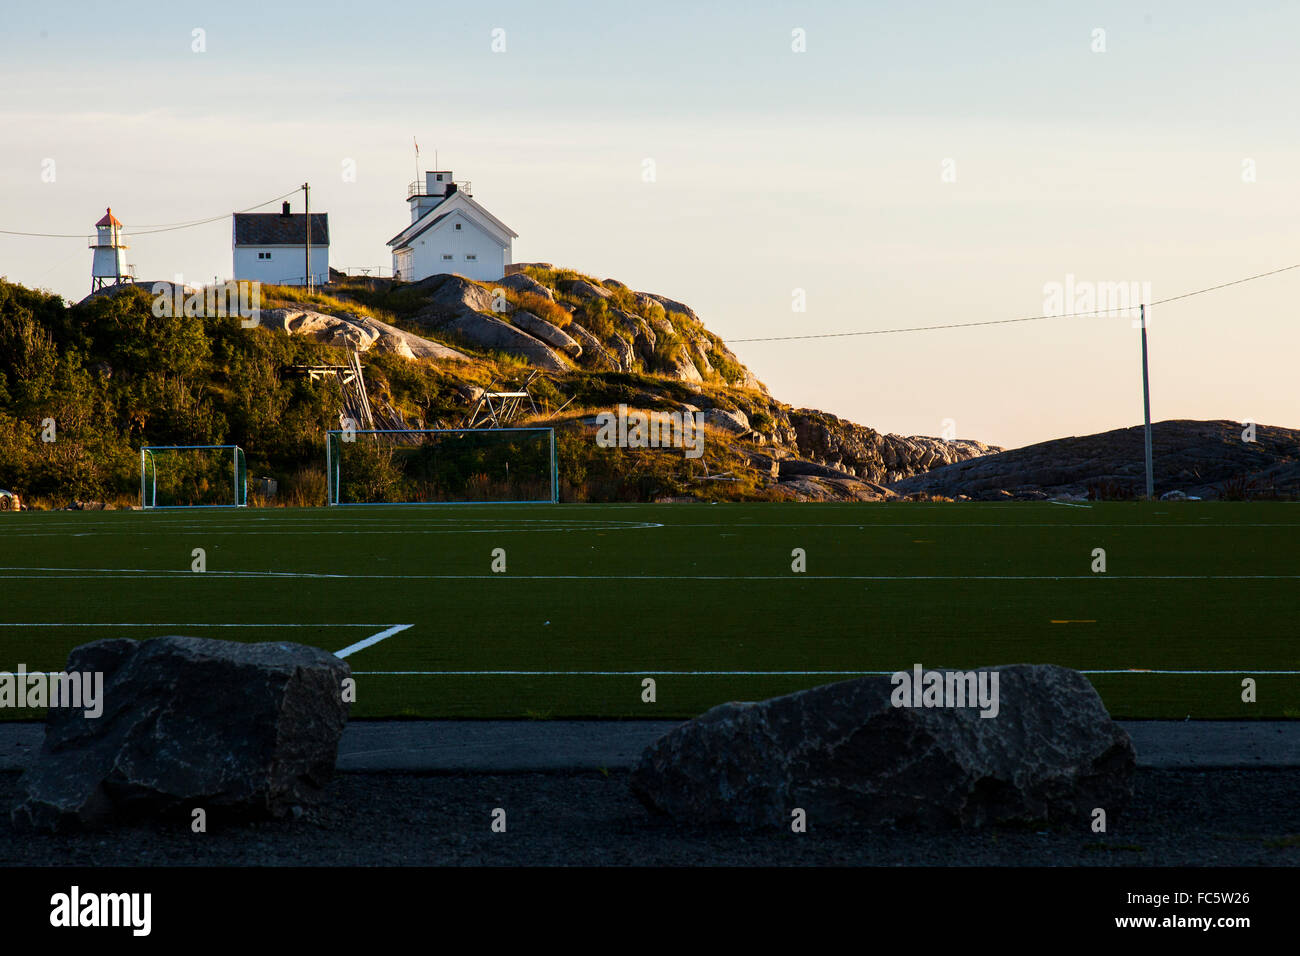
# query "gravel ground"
(1186, 818)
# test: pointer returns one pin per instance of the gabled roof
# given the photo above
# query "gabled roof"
(446, 208)
(109, 219)
(274, 229)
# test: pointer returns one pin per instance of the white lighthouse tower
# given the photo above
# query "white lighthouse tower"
(109, 266)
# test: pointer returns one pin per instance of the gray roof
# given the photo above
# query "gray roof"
(411, 238)
(273, 229)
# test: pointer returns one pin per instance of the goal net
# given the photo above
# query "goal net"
(451, 465)
(193, 476)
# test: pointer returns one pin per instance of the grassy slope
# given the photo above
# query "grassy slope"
(702, 588)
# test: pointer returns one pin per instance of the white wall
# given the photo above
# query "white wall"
(444, 239)
(284, 267)
(108, 263)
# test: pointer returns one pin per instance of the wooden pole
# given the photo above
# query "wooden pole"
(306, 201)
(1146, 406)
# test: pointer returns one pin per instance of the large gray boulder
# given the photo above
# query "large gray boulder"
(845, 754)
(726, 419)
(358, 332)
(594, 351)
(449, 295)
(489, 332)
(582, 289)
(522, 282)
(248, 729)
(552, 335)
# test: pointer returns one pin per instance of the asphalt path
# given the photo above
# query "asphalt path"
(506, 746)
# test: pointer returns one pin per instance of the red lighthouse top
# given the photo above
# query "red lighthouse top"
(109, 219)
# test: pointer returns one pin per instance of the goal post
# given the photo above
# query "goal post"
(442, 466)
(193, 476)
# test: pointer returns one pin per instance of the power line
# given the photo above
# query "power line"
(146, 231)
(1027, 318)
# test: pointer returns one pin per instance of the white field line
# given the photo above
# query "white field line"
(658, 673)
(373, 529)
(1068, 504)
(153, 573)
(268, 626)
(372, 639)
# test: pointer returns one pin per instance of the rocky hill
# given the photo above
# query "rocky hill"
(1202, 459)
(602, 344)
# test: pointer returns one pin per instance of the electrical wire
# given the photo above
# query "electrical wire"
(145, 231)
(1027, 318)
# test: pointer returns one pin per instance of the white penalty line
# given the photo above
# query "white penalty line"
(659, 673)
(372, 639)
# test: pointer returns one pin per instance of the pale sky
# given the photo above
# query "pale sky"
(774, 171)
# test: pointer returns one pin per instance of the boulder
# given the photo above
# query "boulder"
(539, 328)
(489, 332)
(246, 730)
(684, 370)
(672, 305)
(736, 422)
(336, 330)
(623, 354)
(450, 295)
(650, 308)
(359, 332)
(582, 289)
(700, 356)
(596, 355)
(845, 753)
(638, 331)
(522, 282)
(795, 468)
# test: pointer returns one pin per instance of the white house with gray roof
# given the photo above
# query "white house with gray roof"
(271, 247)
(449, 233)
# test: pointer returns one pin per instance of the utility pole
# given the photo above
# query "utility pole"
(307, 249)
(1146, 405)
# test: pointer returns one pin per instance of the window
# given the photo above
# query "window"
(458, 227)
(440, 177)
(471, 257)
(263, 255)
(448, 255)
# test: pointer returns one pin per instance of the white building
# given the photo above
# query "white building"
(271, 247)
(109, 264)
(449, 232)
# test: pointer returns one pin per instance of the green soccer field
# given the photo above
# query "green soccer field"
(702, 598)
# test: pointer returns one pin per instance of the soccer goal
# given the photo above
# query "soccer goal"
(193, 476)
(444, 465)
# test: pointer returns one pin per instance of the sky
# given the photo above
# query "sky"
(914, 164)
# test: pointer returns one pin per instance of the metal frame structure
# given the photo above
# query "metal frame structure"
(495, 410)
